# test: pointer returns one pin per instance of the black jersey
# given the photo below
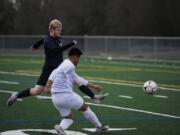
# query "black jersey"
(53, 49)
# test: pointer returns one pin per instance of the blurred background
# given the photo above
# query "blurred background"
(125, 43)
(104, 28)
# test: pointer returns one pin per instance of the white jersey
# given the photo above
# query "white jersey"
(64, 77)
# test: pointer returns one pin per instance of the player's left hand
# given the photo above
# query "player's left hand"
(32, 48)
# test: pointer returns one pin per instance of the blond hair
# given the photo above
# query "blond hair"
(54, 24)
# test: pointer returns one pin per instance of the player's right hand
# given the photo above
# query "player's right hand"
(75, 42)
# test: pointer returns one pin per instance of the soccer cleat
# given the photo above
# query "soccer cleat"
(59, 130)
(12, 99)
(98, 98)
(102, 129)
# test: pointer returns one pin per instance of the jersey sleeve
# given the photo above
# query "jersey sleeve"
(53, 74)
(65, 47)
(50, 45)
(79, 80)
(70, 70)
(38, 43)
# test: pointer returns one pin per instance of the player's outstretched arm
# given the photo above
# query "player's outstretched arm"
(94, 86)
(84, 87)
(84, 84)
(37, 44)
(47, 88)
(86, 90)
(67, 46)
(49, 83)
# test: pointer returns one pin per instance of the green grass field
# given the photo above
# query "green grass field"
(146, 113)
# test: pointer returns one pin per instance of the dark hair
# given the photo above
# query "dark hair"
(75, 51)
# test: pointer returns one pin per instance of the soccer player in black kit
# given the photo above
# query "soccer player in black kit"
(53, 49)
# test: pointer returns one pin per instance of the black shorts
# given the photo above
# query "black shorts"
(46, 71)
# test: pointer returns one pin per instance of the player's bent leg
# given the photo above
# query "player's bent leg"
(25, 93)
(38, 89)
(84, 107)
(102, 129)
(63, 106)
(15, 96)
(59, 130)
(66, 122)
(12, 99)
(78, 104)
(91, 116)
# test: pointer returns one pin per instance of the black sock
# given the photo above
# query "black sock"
(87, 91)
(24, 93)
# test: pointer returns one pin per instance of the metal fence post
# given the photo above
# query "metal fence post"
(85, 44)
(106, 45)
(129, 47)
(3, 45)
(155, 48)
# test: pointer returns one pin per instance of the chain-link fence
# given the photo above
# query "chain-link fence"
(103, 46)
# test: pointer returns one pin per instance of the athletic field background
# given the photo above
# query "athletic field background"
(127, 106)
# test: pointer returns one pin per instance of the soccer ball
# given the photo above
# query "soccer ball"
(150, 87)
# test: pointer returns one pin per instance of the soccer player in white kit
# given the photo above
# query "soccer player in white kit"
(60, 85)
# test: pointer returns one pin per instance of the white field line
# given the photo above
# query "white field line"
(110, 129)
(6, 91)
(124, 96)
(87, 97)
(118, 107)
(20, 99)
(160, 96)
(134, 110)
(133, 85)
(10, 92)
(14, 73)
(43, 97)
(44, 131)
(97, 81)
(143, 64)
(9, 82)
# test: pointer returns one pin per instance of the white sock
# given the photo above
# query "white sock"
(65, 123)
(91, 116)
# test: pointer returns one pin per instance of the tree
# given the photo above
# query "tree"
(92, 17)
(7, 15)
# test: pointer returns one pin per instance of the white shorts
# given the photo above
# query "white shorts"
(64, 102)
